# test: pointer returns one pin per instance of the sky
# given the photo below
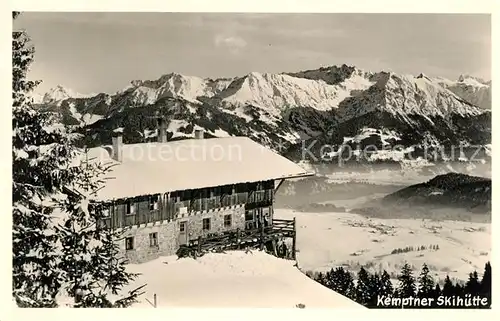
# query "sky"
(102, 52)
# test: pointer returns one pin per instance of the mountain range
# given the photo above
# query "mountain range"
(336, 105)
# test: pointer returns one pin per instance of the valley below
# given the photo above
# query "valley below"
(330, 239)
(343, 221)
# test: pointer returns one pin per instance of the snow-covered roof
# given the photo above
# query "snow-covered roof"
(151, 168)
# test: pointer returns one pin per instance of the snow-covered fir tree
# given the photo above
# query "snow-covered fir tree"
(448, 287)
(386, 288)
(342, 282)
(363, 294)
(486, 280)
(39, 158)
(375, 286)
(425, 283)
(406, 287)
(70, 255)
(473, 285)
(92, 268)
(485, 286)
(437, 291)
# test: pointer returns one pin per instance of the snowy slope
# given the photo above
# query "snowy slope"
(416, 111)
(463, 246)
(60, 93)
(277, 92)
(403, 95)
(232, 280)
(85, 119)
(472, 89)
(174, 85)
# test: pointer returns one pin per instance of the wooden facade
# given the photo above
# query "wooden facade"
(158, 224)
(256, 197)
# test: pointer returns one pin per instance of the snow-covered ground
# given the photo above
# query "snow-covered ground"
(412, 172)
(380, 177)
(232, 280)
(355, 202)
(326, 240)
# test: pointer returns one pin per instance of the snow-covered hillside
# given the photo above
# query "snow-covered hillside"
(174, 85)
(60, 93)
(472, 89)
(463, 246)
(403, 95)
(232, 280)
(278, 92)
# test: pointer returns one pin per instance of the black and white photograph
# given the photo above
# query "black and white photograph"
(251, 160)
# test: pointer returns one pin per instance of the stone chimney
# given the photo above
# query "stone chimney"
(161, 125)
(199, 133)
(117, 142)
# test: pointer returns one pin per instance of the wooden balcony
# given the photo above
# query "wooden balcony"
(238, 239)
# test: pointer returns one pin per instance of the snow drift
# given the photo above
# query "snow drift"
(232, 280)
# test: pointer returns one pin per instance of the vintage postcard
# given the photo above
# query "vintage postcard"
(251, 160)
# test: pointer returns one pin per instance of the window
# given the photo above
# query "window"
(269, 195)
(203, 200)
(211, 203)
(182, 227)
(251, 197)
(129, 243)
(259, 196)
(242, 197)
(130, 207)
(249, 215)
(153, 239)
(153, 202)
(206, 224)
(227, 220)
(197, 205)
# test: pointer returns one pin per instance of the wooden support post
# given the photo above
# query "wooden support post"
(123, 219)
(294, 241)
(277, 187)
(154, 303)
(261, 236)
(238, 236)
(275, 251)
(199, 244)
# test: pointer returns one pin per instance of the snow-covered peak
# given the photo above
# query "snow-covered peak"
(423, 76)
(277, 92)
(59, 93)
(471, 80)
(471, 89)
(404, 95)
(175, 85)
(420, 95)
(332, 75)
